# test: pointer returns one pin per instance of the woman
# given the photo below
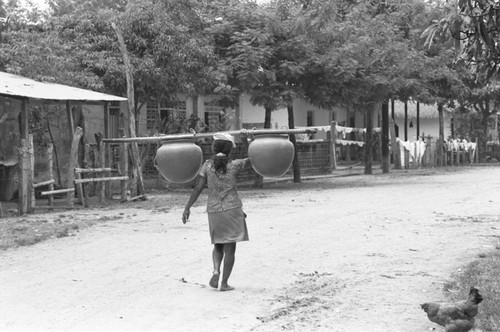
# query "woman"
(226, 219)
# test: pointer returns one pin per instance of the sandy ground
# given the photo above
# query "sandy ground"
(356, 253)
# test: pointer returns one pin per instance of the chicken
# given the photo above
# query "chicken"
(455, 317)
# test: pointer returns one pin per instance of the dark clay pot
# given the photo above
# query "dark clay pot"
(179, 161)
(271, 155)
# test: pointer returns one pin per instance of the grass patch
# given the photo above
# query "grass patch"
(482, 274)
(17, 232)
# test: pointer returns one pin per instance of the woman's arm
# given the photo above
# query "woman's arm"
(244, 140)
(200, 185)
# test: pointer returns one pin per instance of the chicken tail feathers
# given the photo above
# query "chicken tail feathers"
(475, 296)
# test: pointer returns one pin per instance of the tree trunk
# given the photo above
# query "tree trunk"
(368, 140)
(441, 135)
(258, 179)
(348, 124)
(406, 121)
(482, 138)
(386, 158)
(267, 119)
(295, 165)
(132, 125)
(418, 120)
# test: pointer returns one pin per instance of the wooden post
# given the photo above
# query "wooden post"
(124, 183)
(452, 155)
(23, 178)
(406, 121)
(418, 119)
(72, 164)
(415, 160)
(396, 151)
(432, 154)
(428, 151)
(86, 185)
(105, 154)
(333, 152)
(407, 159)
(31, 162)
(71, 122)
(476, 152)
(71, 128)
(50, 162)
(445, 148)
(348, 146)
(22, 152)
(100, 164)
(368, 157)
(136, 160)
(24, 120)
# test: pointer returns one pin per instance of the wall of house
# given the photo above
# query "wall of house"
(9, 141)
(429, 120)
(252, 116)
(428, 126)
(94, 121)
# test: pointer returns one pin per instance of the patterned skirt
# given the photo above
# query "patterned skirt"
(228, 226)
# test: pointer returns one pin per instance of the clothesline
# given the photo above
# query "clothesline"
(342, 129)
(348, 142)
(348, 130)
(458, 145)
(416, 149)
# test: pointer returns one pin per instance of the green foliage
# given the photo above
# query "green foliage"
(336, 52)
(474, 28)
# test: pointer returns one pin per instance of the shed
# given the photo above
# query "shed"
(14, 115)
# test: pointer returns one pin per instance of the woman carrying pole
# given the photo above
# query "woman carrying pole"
(226, 218)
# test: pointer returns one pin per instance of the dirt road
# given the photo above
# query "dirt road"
(351, 254)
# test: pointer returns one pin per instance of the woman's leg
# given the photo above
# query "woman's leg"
(229, 254)
(217, 255)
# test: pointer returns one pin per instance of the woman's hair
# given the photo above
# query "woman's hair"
(221, 150)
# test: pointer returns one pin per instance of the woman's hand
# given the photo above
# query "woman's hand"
(185, 216)
(243, 134)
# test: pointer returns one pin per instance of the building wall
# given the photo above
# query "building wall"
(429, 120)
(428, 126)
(252, 116)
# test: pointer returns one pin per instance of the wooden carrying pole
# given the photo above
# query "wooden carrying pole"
(250, 132)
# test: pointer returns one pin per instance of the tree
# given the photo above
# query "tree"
(260, 58)
(368, 57)
(474, 27)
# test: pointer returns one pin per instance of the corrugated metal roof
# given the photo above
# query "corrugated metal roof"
(18, 86)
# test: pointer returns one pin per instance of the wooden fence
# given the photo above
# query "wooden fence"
(316, 157)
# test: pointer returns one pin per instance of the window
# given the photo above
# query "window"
(333, 116)
(214, 116)
(310, 122)
(164, 116)
(151, 117)
(310, 118)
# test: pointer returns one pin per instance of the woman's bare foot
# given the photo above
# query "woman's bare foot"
(214, 281)
(226, 288)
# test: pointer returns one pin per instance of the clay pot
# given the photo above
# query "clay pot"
(179, 161)
(271, 155)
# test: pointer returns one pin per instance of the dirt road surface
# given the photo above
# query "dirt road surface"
(347, 254)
